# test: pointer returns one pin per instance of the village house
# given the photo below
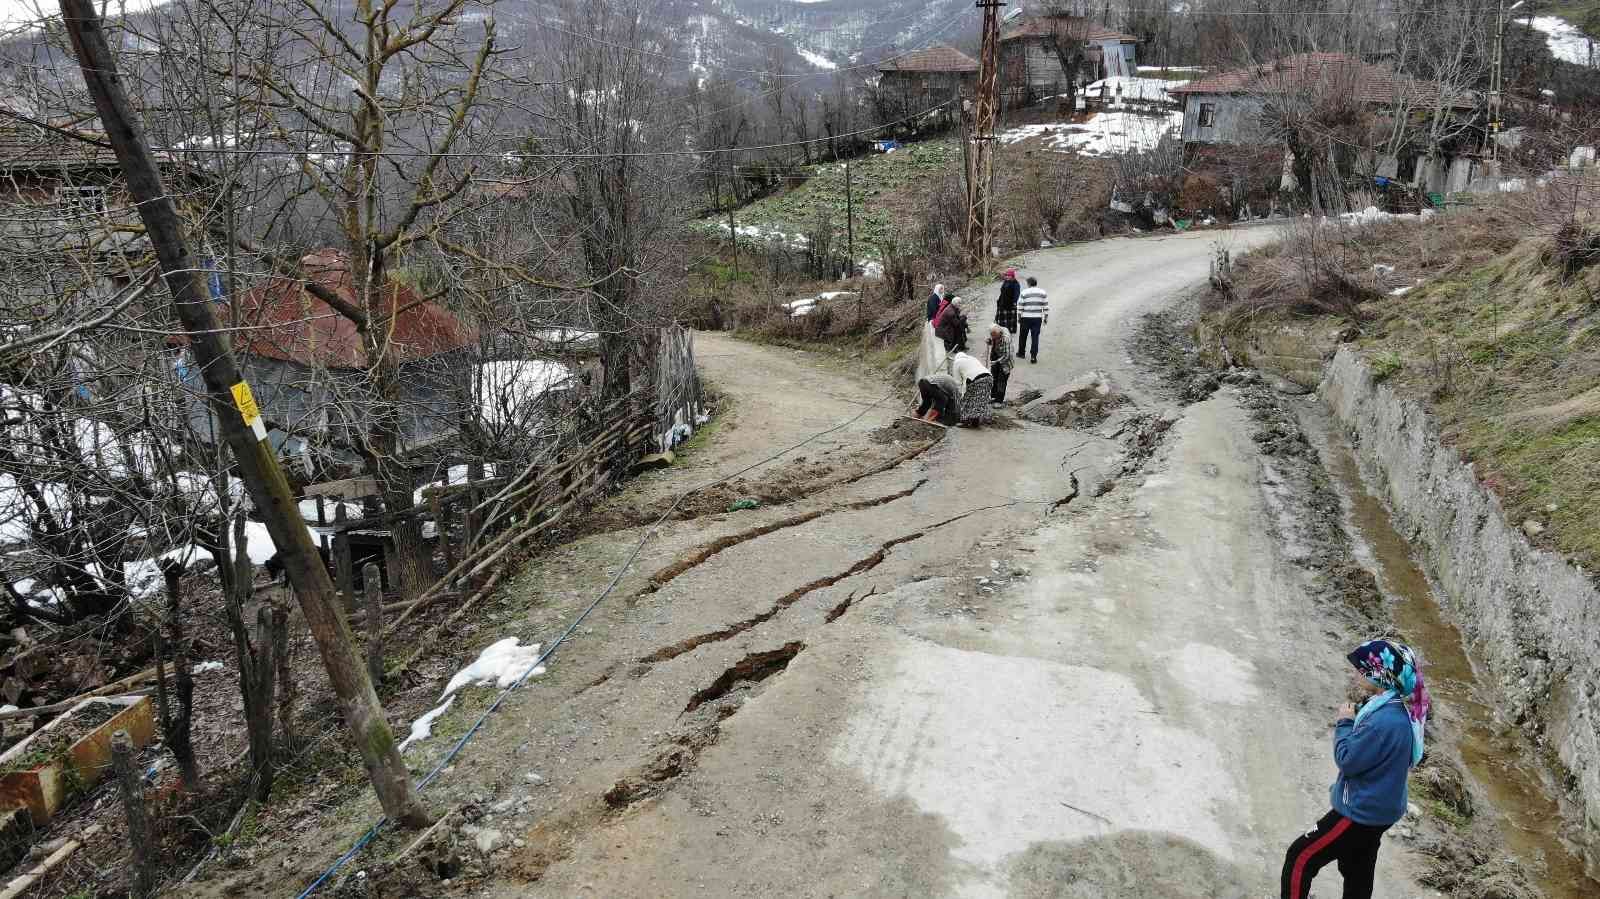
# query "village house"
(1031, 66)
(1236, 109)
(66, 220)
(306, 365)
(923, 79)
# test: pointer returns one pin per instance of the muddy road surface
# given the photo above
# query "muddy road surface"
(1011, 661)
(975, 688)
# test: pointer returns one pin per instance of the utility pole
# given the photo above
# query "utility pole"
(980, 161)
(1494, 80)
(849, 221)
(1497, 77)
(234, 408)
(733, 200)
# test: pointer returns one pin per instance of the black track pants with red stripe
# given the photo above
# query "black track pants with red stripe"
(1336, 838)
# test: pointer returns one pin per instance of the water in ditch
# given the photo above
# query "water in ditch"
(1496, 755)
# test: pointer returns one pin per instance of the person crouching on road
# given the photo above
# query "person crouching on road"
(999, 362)
(941, 398)
(1375, 748)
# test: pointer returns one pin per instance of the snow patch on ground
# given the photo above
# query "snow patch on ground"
(502, 663)
(422, 728)
(1105, 134)
(817, 59)
(1118, 91)
(1372, 215)
(1565, 40)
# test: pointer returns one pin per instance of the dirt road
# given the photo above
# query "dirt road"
(939, 679)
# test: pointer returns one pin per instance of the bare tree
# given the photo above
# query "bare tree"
(604, 108)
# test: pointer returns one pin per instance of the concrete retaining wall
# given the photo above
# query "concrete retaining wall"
(1532, 617)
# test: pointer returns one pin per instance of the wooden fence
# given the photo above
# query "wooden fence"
(477, 526)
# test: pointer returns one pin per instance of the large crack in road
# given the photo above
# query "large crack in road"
(1099, 717)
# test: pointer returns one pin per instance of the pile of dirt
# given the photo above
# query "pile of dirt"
(1081, 403)
(904, 430)
(1164, 343)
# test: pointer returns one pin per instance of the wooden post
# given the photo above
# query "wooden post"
(322, 511)
(441, 527)
(144, 872)
(474, 497)
(343, 572)
(374, 588)
(344, 566)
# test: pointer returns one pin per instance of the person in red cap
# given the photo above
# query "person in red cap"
(1005, 309)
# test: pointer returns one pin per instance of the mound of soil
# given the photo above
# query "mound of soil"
(903, 430)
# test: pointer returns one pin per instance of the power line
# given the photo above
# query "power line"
(516, 155)
(571, 628)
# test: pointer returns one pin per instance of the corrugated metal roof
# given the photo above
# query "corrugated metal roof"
(1370, 83)
(931, 59)
(1075, 27)
(286, 322)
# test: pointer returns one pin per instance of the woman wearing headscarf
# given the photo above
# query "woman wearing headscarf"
(999, 362)
(1375, 748)
(950, 325)
(935, 301)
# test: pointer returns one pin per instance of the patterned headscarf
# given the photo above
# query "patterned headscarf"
(1396, 668)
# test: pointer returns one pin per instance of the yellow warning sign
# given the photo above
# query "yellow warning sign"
(246, 401)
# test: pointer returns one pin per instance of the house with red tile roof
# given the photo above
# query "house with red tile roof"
(306, 363)
(1031, 50)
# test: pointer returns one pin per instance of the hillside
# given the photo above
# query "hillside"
(1488, 316)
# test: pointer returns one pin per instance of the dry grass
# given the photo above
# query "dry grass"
(1501, 337)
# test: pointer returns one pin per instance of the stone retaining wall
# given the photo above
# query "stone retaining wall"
(1530, 616)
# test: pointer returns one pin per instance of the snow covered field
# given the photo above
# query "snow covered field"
(1105, 134)
(1118, 91)
(817, 59)
(1565, 40)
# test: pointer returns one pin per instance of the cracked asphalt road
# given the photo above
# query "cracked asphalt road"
(1133, 702)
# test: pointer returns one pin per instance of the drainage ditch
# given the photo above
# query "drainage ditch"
(1498, 757)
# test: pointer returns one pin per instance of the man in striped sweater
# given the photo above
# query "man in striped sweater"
(1033, 308)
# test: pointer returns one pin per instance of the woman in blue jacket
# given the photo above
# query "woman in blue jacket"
(1375, 748)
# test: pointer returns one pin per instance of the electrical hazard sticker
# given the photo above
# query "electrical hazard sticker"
(248, 410)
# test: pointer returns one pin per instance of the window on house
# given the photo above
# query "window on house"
(1208, 115)
(81, 200)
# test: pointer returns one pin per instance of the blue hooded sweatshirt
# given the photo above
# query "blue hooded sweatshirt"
(1374, 759)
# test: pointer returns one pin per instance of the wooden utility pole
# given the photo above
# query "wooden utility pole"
(849, 221)
(132, 790)
(234, 408)
(980, 160)
(1497, 78)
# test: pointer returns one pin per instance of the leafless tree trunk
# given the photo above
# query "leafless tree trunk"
(177, 711)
